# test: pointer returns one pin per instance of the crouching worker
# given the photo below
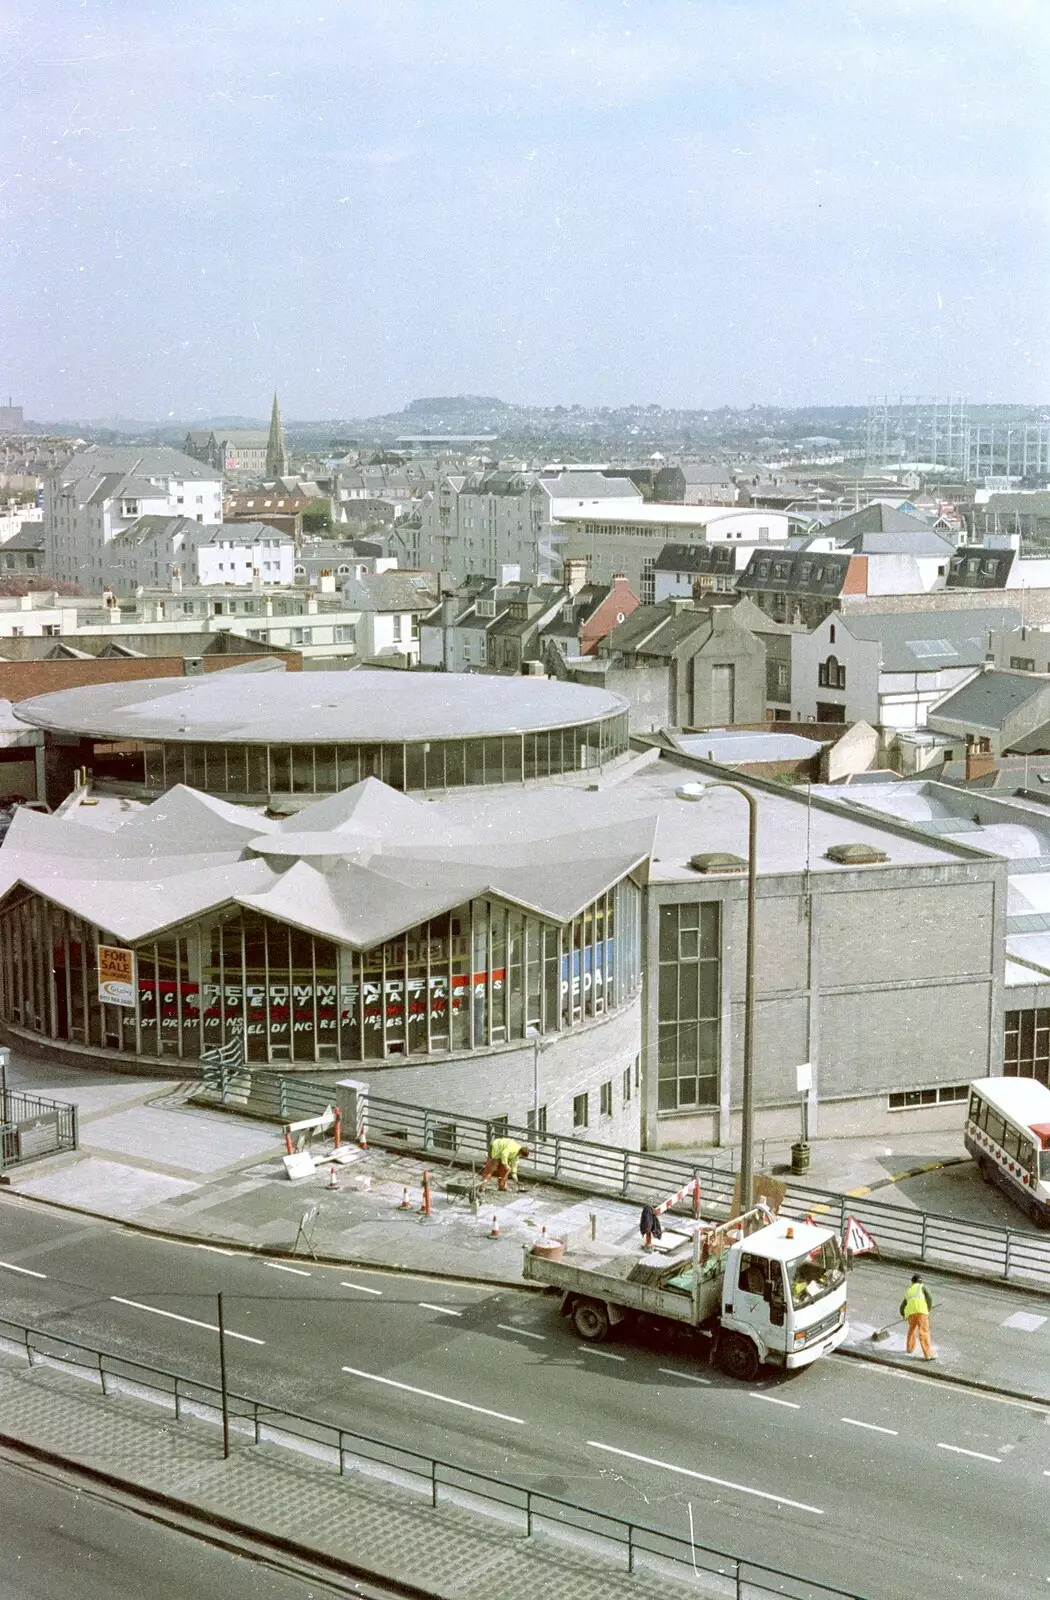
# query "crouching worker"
(504, 1155)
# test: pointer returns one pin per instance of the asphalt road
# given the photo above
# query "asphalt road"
(960, 1191)
(855, 1474)
(62, 1539)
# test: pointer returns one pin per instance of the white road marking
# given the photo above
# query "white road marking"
(721, 1483)
(606, 1355)
(214, 1248)
(1024, 1322)
(446, 1311)
(360, 1287)
(428, 1394)
(773, 1401)
(669, 1372)
(174, 1316)
(26, 1271)
(979, 1455)
(277, 1267)
(873, 1427)
(525, 1334)
(972, 1392)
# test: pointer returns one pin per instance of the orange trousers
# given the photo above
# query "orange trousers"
(919, 1323)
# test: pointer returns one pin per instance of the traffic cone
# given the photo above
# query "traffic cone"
(362, 1140)
(406, 1204)
(494, 1230)
(333, 1179)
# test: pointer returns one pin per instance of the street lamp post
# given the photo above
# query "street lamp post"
(747, 1136)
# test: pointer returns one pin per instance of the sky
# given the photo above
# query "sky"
(600, 202)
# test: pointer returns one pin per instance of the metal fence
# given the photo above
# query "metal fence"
(902, 1234)
(524, 1511)
(33, 1126)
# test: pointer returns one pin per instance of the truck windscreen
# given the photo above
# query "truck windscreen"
(815, 1274)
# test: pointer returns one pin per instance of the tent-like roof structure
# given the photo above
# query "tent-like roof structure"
(359, 867)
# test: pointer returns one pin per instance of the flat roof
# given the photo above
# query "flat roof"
(318, 707)
(743, 749)
(657, 515)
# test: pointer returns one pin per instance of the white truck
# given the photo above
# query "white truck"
(764, 1289)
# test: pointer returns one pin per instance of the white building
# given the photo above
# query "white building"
(159, 550)
(104, 489)
(888, 668)
(629, 538)
(11, 521)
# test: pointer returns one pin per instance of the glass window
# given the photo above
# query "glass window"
(280, 769)
(606, 1099)
(581, 1110)
(688, 1006)
(815, 1275)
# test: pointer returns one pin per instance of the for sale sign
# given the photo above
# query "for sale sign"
(116, 976)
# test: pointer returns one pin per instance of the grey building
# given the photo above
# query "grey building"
(685, 666)
(995, 712)
(24, 554)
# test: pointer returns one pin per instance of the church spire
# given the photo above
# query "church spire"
(276, 453)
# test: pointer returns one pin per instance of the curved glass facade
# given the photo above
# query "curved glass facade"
(255, 771)
(484, 974)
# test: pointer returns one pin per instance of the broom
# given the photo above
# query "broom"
(884, 1333)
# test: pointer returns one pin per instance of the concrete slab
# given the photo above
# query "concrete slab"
(106, 1188)
(188, 1139)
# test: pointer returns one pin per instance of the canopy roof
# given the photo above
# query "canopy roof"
(359, 867)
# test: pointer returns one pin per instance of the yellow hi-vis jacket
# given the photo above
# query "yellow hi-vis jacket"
(916, 1302)
(507, 1151)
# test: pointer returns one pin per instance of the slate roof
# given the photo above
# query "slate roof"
(359, 867)
(978, 567)
(589, 486)
(780, 571)
(131, 461)
(917, 541)
(925, 641)
(987, 700)
(391, 591)
(30, 536)
(877, 518)
(696, 558)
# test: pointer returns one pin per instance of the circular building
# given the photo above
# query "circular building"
(256, 736)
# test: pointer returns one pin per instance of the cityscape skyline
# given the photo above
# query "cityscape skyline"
(682, 204)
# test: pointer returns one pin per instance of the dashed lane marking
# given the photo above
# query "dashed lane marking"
(524, 1332)
(26, 1272)
(174, 1316)
(362, 1288)
(978, 1455)
(300, 1272)
(669, 1372)
(428, 1394)
(446, 1311)
(873, 1427)
(606, 1355)
(773, 1400)
(704, 1477)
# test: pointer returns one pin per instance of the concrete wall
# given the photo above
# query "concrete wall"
(861, 659)
(500, 1083)
(885, 979)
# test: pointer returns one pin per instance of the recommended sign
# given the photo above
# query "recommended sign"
(116, 976)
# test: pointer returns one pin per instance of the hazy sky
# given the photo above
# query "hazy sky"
(690, 202)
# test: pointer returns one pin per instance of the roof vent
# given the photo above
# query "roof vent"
(855, 855)
(717, 861)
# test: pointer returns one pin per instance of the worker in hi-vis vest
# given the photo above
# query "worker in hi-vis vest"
(916, 1307)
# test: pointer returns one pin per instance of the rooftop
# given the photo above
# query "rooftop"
(321, 707)
(654, 514)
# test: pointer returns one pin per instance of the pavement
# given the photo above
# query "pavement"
(151, 1159)
(365, 1520)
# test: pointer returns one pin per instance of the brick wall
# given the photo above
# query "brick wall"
(20, 680)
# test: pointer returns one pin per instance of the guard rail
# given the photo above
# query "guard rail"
(528, 1511)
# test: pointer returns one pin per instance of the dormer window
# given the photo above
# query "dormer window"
(130, 508)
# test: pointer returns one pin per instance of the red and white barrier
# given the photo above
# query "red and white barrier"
(691, 1188)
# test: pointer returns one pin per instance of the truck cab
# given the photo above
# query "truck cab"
(783, 1298)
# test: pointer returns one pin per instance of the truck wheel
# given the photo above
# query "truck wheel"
(987, 1170)
(591, 1320)
(738, 1357)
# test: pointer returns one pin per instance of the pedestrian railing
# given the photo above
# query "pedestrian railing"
(33, 1126)
(902, 1233)
(642, 1549)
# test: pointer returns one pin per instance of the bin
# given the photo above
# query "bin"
(799, 1158)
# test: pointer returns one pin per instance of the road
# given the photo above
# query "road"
(63, 1539)
(852, 1473)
